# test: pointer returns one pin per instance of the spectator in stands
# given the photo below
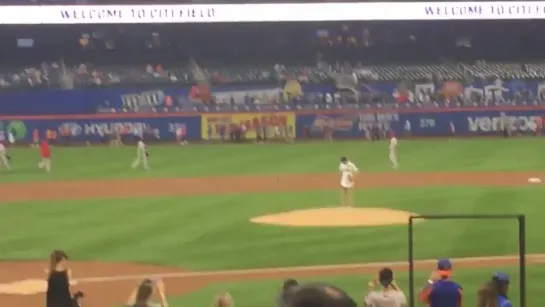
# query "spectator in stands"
(494, 292)
(77, 300)
(441, 291)
(288, 289)
(321, 295)
(223, 300)
(389, 296)
(142, 295)
(58, 281)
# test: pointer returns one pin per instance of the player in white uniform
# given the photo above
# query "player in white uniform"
(348, 173)
(393, 151)
(141, 155)
(3, 157)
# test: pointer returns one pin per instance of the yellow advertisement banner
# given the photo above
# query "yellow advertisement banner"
(268, 125)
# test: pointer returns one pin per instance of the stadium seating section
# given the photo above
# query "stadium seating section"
(146, 56)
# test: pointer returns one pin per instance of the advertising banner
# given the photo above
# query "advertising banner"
(347, 124)
(217, 126)
(343, 123)
(353, 124)
(97, 129)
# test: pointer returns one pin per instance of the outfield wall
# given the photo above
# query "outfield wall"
(345, 123)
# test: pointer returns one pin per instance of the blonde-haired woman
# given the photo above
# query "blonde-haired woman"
(223, 300)
(348, 175)
(389, 296)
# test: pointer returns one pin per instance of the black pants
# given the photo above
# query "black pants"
(505, 133)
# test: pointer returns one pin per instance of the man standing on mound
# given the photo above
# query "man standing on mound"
(348, 176)
(441, 290)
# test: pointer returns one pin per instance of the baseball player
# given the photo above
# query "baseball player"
(45, 153)
(393, 150)
(4, 158)
(348, 173)
(141, 155)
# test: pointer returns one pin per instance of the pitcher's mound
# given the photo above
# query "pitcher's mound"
(336, 217)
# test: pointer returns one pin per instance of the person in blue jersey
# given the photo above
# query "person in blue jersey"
(494, 293)
(441, 290)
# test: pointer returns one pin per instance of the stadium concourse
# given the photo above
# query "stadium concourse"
(107, 284)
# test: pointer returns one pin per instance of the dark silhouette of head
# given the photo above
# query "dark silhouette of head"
(321, 296)
(385, 277)
(344, 160)
(289, 284)
(55, 259)
(144, 293)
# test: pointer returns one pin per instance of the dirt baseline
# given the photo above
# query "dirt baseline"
(133, 188)
(108, 284)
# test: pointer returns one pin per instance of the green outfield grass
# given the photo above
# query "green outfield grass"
(205, 160)
(246, 294)
(192, 231)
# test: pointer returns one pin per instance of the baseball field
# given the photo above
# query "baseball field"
(196, 217)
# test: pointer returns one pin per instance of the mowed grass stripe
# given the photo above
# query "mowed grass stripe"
(213, 232)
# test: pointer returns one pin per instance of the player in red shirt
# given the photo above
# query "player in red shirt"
(46, 156)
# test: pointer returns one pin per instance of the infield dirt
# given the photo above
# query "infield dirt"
(104, 291)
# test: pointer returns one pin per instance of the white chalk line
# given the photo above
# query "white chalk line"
(537, 258)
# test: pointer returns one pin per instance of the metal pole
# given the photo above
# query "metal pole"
(522, 259)
(411, 264)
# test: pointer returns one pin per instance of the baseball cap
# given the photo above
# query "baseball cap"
(501, 276)
(444, 266)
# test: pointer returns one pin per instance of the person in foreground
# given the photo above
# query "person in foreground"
(58, 281)
(389, 296)
(223, 300)
(142, 295)
(321, 295)
(494, 292)
(348, 178)
(441, 290)
(289, 288)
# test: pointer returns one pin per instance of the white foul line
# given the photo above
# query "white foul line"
(318, 268)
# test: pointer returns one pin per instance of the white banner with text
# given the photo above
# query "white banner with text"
(280, 12)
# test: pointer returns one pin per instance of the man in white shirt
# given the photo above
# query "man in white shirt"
(389, 296)
(348, 173)
(4, 157)
(393, 150)
(141, 155)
